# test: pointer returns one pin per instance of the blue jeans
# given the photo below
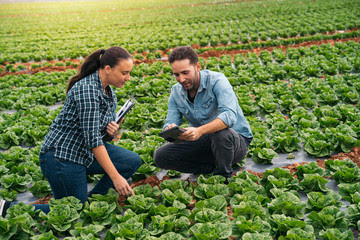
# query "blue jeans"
(69, 179)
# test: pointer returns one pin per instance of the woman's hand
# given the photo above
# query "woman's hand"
(112, 128)
(123, 187)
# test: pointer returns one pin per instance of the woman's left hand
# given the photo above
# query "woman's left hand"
(112, 129)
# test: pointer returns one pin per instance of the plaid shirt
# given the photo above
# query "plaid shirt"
(77, 129)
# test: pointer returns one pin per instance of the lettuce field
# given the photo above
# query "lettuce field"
(294, 66)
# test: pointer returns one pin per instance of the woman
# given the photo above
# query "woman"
(74, 147)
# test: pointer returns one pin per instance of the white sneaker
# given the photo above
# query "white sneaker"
(2, 205)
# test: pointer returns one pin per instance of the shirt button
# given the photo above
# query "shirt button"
(196, 110)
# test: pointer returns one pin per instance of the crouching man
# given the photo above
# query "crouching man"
(219, 134)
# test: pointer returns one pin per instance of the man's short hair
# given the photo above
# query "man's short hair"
(183, 52)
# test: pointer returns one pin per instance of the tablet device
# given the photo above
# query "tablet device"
(171, 135)
(119, 115)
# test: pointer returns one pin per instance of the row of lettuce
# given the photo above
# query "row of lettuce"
(247, 208)
(10, 67)
(164, 28)
(20, 91)
(305, 97)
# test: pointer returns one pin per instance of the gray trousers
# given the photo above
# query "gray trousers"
(214, 152)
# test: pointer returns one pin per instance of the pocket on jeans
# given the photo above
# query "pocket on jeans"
(69, 170)
(42, 161)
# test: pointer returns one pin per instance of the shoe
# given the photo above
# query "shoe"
(4, 205)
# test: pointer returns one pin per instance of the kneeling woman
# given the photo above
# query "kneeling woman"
(74, 146)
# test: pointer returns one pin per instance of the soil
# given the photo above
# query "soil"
(354, 156)
(230, 213)
(292, 167)
(41, 69)
(44, 200)
(214, 53)
(207, 54)
(259, 174)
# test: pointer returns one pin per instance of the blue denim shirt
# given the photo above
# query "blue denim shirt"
(215, 98)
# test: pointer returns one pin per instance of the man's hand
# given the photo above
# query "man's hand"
(191, 134)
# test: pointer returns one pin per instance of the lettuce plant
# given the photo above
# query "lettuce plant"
(173, 184)
(318, 148)
(241, 225)
(147, 190)
(249, 196)
(83, 231)
(127, 230)
(41, 189)
(216, 179)
(241, 186)
(346, 174)
(217, 203)
(210, 231)
(336, 234)
(308, 168)
(353, 210)
(98, 212)
(249, 209)
(160, 225)
(209, 215)
(286, 203)
(278, 178)
(353, 214)
(318, 200)
(15, 182)
(286, 142)
(256, 236)
(19, 222)
(314, 183)
(139, 203)
(329, 217)
(204, 191)
(161, 210)
(60, 219)
(168, 197)
(281, 224)
(348, 190)
(332, 166)
(264, 155)
(297, 233)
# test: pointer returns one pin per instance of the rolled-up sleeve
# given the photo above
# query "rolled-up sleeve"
(87, 105)
(227, 101)
(173, 114)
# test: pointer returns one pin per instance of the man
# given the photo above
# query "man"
(219, 134)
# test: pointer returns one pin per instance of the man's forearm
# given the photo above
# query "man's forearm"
(214, 126)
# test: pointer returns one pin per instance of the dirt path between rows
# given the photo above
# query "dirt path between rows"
(207, 54)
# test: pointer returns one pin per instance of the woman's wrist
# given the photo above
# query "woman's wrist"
(116, 177)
